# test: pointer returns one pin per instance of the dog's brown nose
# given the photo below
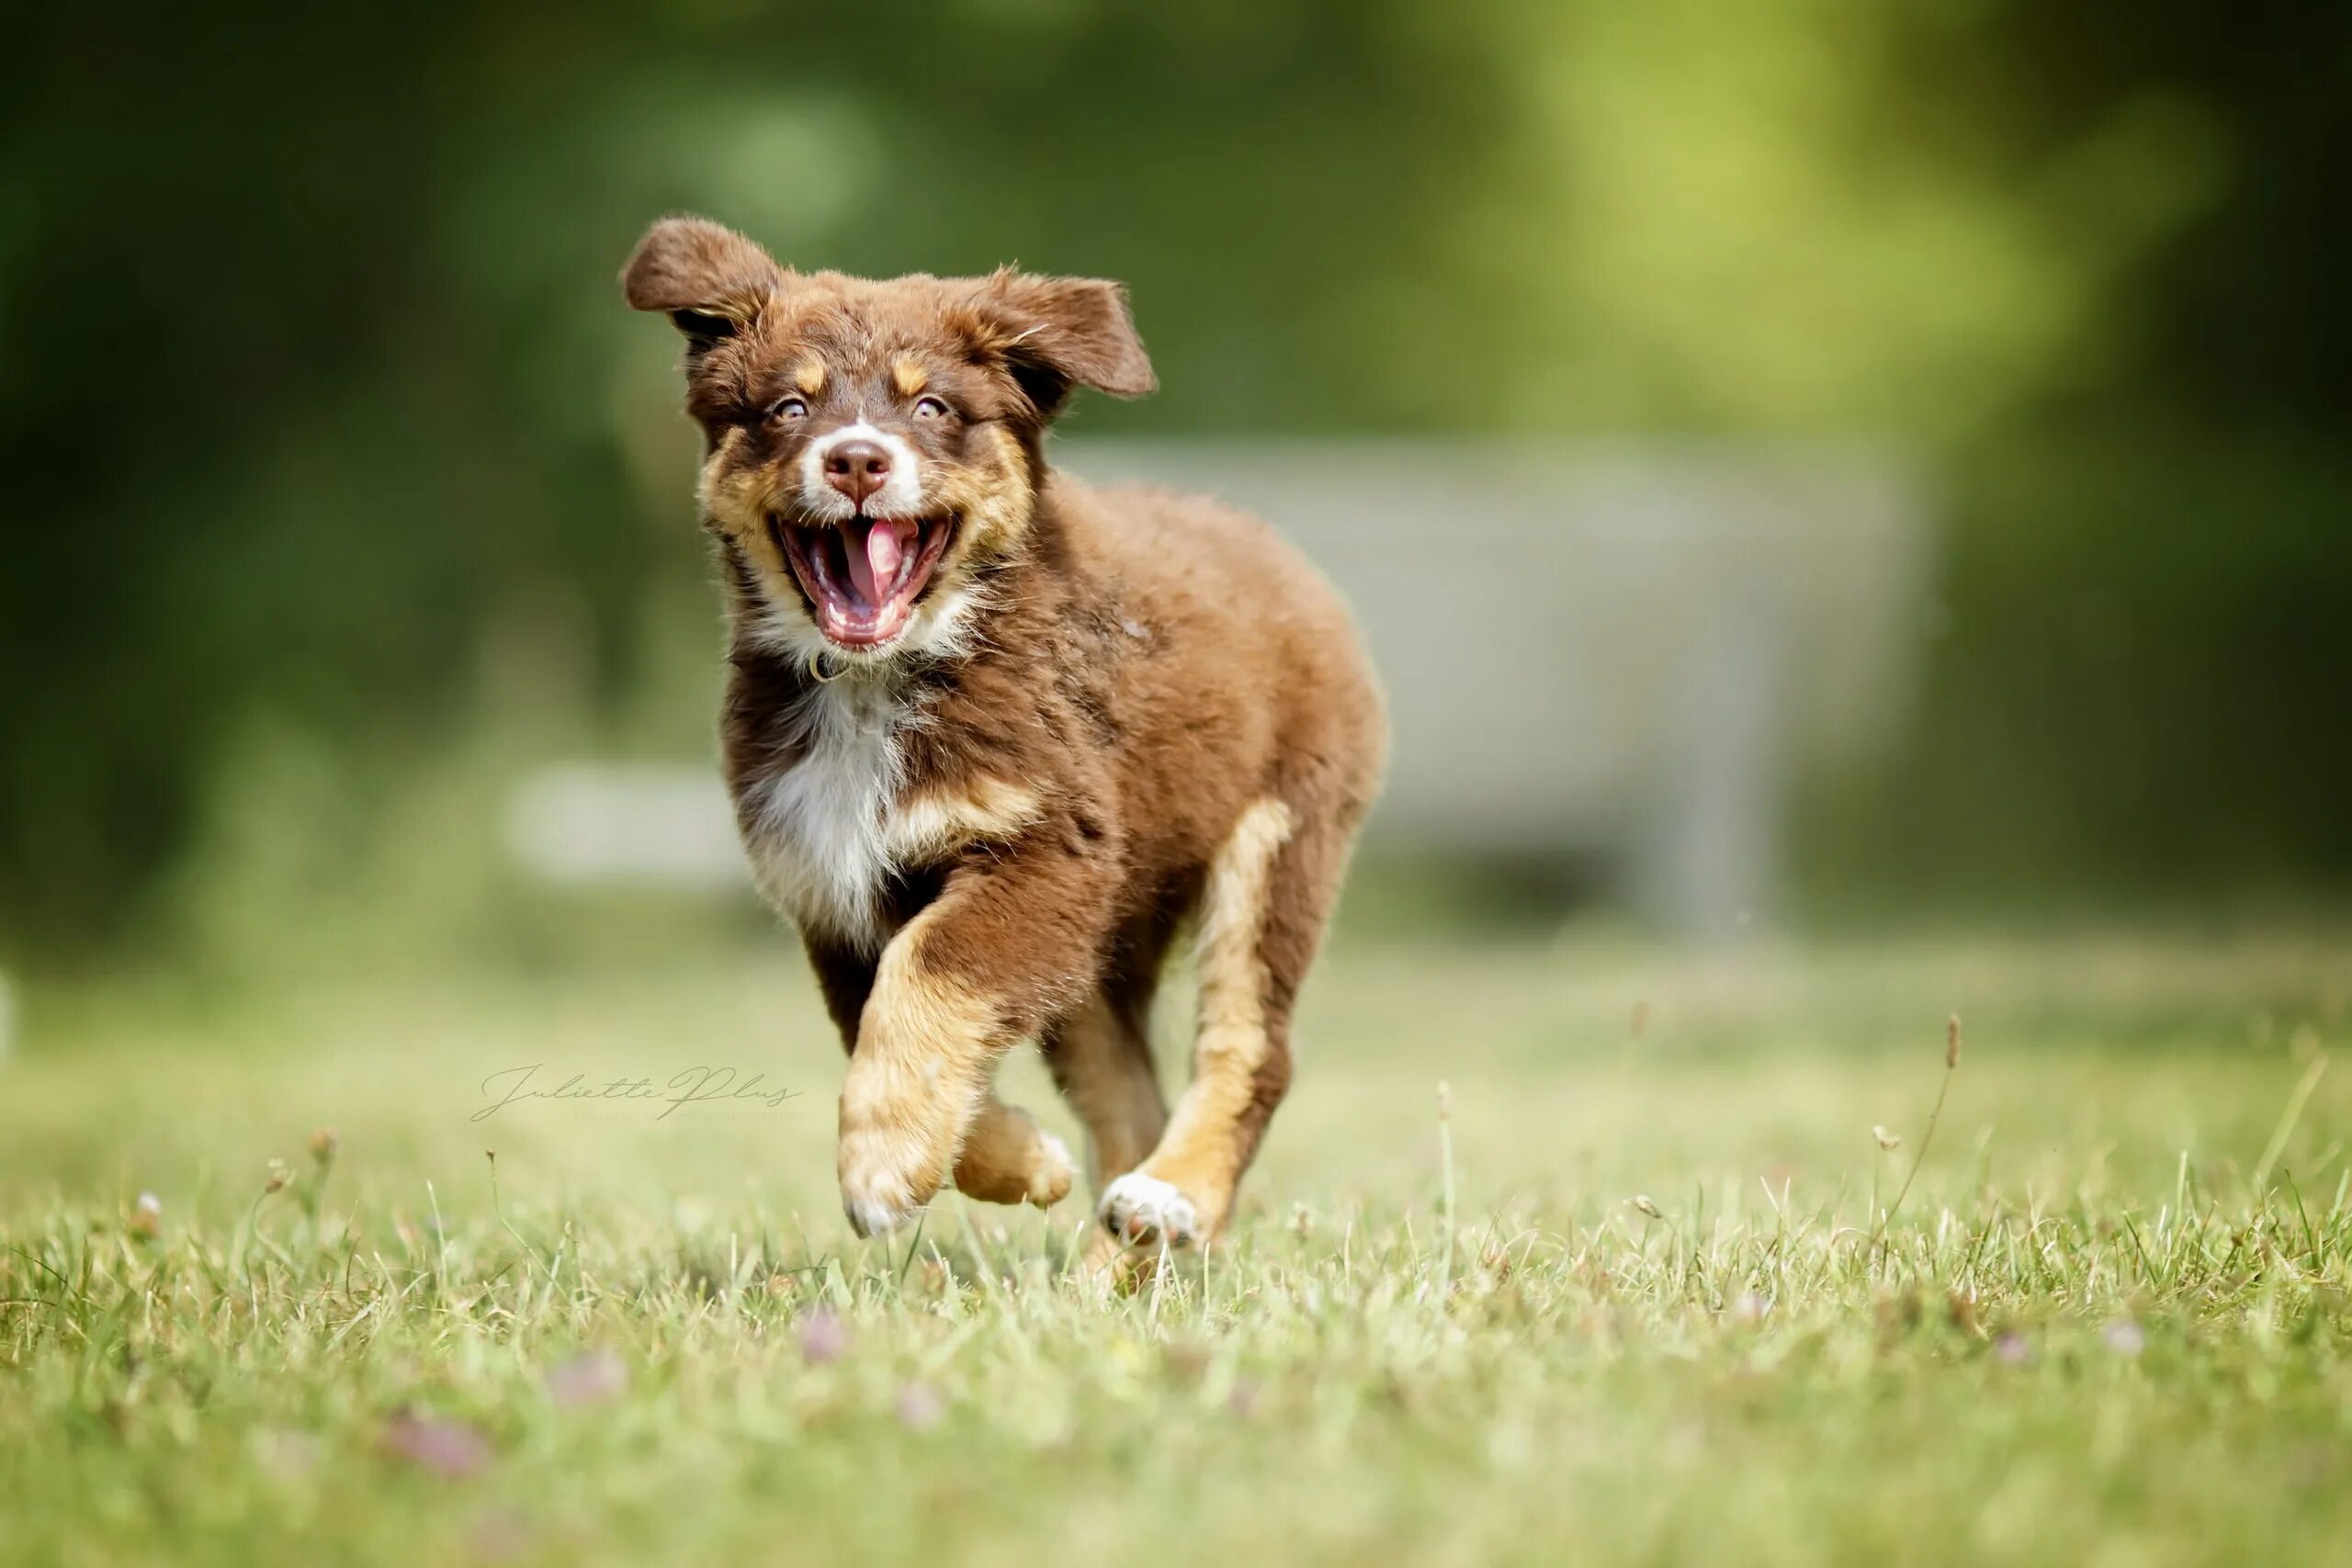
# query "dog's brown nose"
(857, 468)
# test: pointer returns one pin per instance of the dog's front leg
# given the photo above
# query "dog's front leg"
(1006, 944)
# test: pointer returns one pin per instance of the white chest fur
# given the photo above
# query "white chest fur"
(818, 829)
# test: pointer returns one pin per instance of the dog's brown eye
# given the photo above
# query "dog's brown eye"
(930, 408)
(790, 408)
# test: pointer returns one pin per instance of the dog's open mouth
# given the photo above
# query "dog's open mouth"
(863, 576)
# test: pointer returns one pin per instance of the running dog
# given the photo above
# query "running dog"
(995, 738)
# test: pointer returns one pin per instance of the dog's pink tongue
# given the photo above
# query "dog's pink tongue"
(863, 559)
(884, 551)
(874, 561)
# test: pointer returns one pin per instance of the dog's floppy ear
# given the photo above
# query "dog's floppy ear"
(706, 277)
(1057, 333)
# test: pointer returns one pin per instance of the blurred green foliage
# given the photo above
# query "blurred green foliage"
(331, 448)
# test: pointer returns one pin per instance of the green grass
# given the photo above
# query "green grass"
(1672, 1318)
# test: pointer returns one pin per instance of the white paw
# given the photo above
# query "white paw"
(1146, 1210)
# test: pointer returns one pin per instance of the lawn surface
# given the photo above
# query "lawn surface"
(1672, 1319)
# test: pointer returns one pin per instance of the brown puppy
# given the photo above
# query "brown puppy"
(993, 737)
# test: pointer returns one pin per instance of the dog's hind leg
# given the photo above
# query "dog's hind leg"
(1262, 912)
(1100, 1054)
(1101, 1059)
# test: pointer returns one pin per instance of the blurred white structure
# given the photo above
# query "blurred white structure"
(651, 824)
(1625, 655)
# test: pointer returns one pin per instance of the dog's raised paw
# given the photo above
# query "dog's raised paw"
(1049, 1183)
(1145, 1211)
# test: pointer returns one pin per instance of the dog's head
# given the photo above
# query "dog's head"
(872, 448)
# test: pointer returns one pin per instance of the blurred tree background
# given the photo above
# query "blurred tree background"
(340, 477)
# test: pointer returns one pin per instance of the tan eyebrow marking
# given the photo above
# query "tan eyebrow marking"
(809, 376)
(908, 376)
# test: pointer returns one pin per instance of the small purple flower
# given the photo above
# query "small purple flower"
(2011, 1349)
(2124, 1338)
(451, 1449)
(592, 1377)
(1243, 1399)
(823, 1336)
(919, 1407)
